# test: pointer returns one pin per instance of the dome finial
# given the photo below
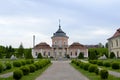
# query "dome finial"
(59, 24)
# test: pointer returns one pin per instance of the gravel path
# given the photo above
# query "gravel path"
(6, 75)
(61, 70)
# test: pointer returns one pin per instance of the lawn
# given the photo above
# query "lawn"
(92, 76)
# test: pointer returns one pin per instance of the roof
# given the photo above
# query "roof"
(59, 33)
(77, 45)
(117, 33)
(42, 45)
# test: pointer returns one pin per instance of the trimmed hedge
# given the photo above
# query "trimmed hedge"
(115, 65)
(92, 68)
(25, 70)
(17, 64)
(32, 68)
(104, 74)
(8, 65)
(100, 63)
(106, 64)
(17, 74)
(1, 67)
(86, 65)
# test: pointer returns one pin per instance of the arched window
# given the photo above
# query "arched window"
(71, 53)
(36, 54)
(75, 53)
(44, 53)
(48, 53)
(116, 42)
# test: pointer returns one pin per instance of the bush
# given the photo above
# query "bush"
(16, 63)
(32, 68)
(1, 67)
(8, 65)
(112, 55)
(81, 55)
(28, 61)
(86, 65)
(115, 65)
(106, 64)
(36, 65)
(82, 65)
(93, 61)
(92, 68)
(100, 63)
(96, 71)
(104, 74)
(25, 70)
(23, 62)
(17, 74)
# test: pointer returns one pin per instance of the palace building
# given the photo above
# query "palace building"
(114, 43)
(59, 47)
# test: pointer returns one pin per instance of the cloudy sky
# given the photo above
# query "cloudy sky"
(84, 21)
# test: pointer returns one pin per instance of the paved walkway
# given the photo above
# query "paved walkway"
(6, 75)
(61, 70)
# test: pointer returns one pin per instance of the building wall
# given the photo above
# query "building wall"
(114, 46)
(44, 52)
(75, 52)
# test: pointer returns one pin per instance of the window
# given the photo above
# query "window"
(44, 53)
(71, 54)
(36, 54)
(48, 53)
(117, 53)
(116, 42)
(75, 53)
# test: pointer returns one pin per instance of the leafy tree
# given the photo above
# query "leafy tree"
(81, 55)
(112, 55)
(92, 55)
(28, 54)
(20, 52)
(106, 45)
(39, 56)
(9, 51)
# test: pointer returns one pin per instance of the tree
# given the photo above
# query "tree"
(28, 54)
(20, 52)
(39, 56)
(112, 55)
(9, 51)
(81, 55)
(106, 45)
(92, 55)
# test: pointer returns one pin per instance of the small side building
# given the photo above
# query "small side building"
(114, 43)
(76, 48)
(43, 48)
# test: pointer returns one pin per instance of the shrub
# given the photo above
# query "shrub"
(25, 70)
(93, 61)
(8, 65)
(100, 63)
(81, 65)
(36, 65)
(17, 74)
(96, 71)
(106, 64)
(86, 65)
(112, 55)
(104, 74)
(16, 63)
(1, 67)
(115, 65)
(23, 62)
(81, 55)
(32, 68)
(92, 68)
(28, 61)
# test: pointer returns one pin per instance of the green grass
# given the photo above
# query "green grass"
(93, 76)
(31, 76)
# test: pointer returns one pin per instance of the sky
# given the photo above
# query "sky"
(84, 21)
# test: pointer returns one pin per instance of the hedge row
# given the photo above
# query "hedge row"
(91, 68)
(25, 70)
(113, 65)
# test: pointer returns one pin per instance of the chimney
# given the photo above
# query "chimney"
(33, 41)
